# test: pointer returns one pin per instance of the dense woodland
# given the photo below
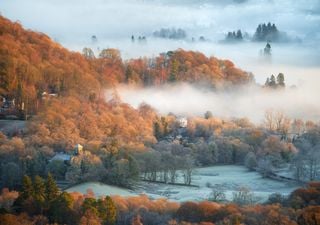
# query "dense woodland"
(123, 144)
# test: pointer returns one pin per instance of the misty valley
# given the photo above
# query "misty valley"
(159, 112)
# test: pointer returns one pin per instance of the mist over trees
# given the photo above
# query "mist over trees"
(120, 145)
(234, 36)
(275, 82)
(170, 33)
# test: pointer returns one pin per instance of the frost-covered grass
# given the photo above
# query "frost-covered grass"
(101, 189)
(229, 177)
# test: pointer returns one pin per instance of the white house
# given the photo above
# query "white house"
(183, 122)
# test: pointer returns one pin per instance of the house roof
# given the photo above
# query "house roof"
(61, 157)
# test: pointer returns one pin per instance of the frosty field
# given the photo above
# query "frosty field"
(229, 177)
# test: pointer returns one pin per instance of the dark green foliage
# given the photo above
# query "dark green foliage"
(39, 194)
(267, 50)
(52, 190)
(280, 80)
(10, 175)
(234, 36)
(58, 169)
(27, 190)
(105, 209)
(111, 214)
(61, 211)
(160, 128)
(266, 32)
(174, 71)
(89, 204)
(272, 82)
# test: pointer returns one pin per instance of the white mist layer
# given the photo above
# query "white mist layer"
(250, 102)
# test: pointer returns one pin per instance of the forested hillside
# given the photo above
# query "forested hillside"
(31, 64)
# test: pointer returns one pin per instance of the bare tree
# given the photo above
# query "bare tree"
(243, 196)
(265, 167)
(269, 120)
(307, 162)
(217, 194)
(187, 170)
(297, 126)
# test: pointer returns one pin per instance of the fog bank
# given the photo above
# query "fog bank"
(251, 102)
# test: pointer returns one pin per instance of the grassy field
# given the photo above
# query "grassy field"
(231, 178)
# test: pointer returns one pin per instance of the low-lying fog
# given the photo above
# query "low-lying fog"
(252, 102)
(74, 22)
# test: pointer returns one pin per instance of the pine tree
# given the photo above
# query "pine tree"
(52, 190)
(39, 194)
(272, 82)
(111, 211)
(239, 35)
(27, 188)
(267, 83)
(267, 49)
(25, 195)
(174, 71)
(280, 80)
(61, 211)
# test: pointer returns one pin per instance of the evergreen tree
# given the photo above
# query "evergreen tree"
(267, 49)
(174, 71)
(26, 195)
(280, 80)
(208, 115)
(27, 188)
(52, 190)
(229, 36)
(239, 35)
(61, 211)
(274, 28)
(267, 83)
(90, 204)
(258, 32)
(38, 194)
(272, 82)
(264, 31)
(111, 211)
